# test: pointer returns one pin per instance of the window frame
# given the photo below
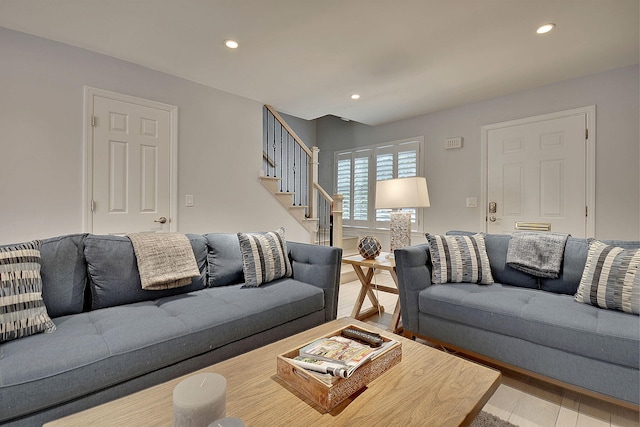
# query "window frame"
(372, 151)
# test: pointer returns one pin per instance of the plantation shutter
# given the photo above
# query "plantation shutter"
(343, 183)
(385, 168)
(361, 187)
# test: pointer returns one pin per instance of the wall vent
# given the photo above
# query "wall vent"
(450, 143)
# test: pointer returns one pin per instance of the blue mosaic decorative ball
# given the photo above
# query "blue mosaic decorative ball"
(369, 247)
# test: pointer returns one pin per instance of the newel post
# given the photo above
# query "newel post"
(313, 179)
(336, 212)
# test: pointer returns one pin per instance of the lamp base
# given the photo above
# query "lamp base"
(400, 229)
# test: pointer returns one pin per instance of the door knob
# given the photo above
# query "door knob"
(161, 220)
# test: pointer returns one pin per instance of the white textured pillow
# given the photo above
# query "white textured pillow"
(459, 259)
(22, 309)
(264, 257)
(611, 278)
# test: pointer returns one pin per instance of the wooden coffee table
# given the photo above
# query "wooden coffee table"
(428, 387)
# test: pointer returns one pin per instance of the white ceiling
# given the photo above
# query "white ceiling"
(306, 57)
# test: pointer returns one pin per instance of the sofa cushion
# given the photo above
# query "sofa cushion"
(497, 246)
(459, 259)
(95, 350)
(22, 309)
(611, 278)
(113, 271)
(264, 257)
(575, 257)
(624, 244)
(224, 259)
(539, 317)
(64, 274)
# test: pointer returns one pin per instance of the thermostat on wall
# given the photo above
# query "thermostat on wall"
(450, 143)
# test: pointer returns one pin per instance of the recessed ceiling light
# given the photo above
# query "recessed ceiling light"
(231, 44)
(545, 28)
(355, 96)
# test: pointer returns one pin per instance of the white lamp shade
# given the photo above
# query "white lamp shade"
(402, 193)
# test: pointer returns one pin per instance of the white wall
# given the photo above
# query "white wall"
(453, 175)
(41, 143)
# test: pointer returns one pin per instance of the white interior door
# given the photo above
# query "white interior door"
(132, 173)
(537, 175)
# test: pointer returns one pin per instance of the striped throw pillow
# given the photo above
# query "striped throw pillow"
(22, 309)
(611, 278)
(459, 259)
(264, 257)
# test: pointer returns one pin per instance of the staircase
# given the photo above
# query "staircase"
(285, 198)
(290, 173)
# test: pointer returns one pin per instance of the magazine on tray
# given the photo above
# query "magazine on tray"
(336, 356)
(338, 349)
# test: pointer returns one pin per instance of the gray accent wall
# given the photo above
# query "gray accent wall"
(454, 175)
(42, 143)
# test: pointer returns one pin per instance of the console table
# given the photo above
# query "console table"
(381, 262)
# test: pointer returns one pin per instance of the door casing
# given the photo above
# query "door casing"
(590, 158)
(89, 94)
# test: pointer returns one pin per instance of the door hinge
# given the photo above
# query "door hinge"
(93, 205)
(93, 121)
(586, 134)
(586, 211)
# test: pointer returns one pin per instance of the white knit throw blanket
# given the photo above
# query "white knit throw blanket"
(165, 260)
(539, 254)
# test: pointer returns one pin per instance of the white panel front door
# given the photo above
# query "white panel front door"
(536, 176)
(131, 185)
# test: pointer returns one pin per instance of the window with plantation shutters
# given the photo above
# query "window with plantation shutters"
(398, 160)
(356, 173)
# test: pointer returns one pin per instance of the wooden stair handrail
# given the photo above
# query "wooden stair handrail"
(322, 192)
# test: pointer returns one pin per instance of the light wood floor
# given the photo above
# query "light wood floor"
(520, 400)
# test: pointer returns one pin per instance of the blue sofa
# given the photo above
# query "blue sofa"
(526, 323)
(113, 338)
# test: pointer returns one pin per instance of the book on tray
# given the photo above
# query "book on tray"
(336, 357)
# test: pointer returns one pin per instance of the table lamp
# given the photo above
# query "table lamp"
(401, 193)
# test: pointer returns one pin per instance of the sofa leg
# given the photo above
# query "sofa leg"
(408, 334)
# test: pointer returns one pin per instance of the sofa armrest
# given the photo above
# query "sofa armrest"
(319, 266)
(413, 268)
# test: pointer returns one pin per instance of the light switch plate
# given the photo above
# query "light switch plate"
(472, 202)
(189, 200)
